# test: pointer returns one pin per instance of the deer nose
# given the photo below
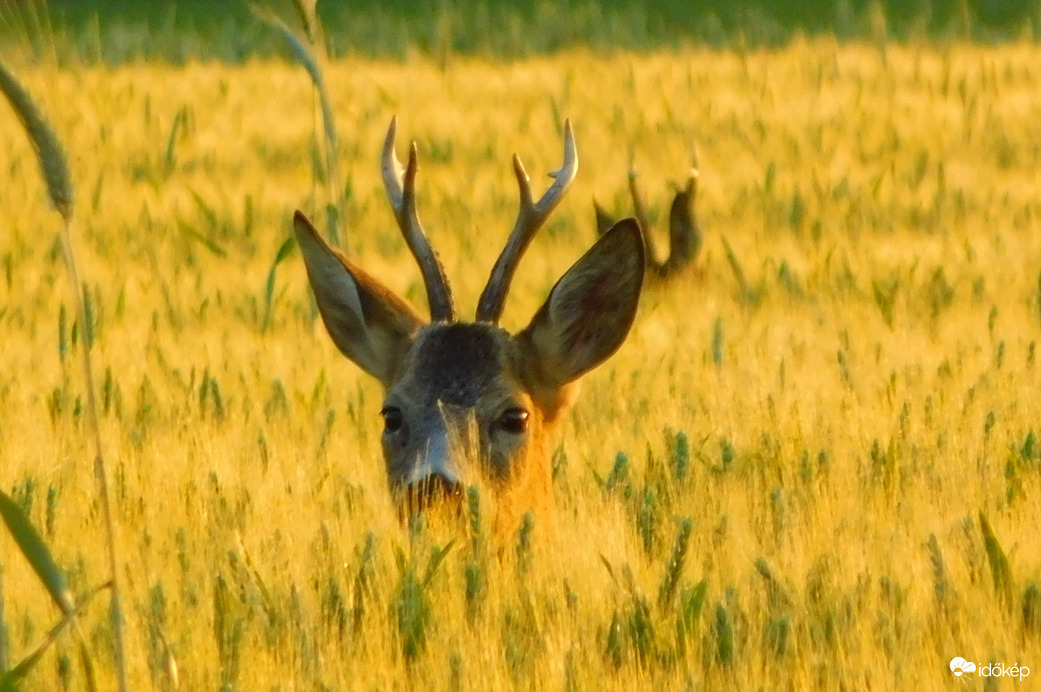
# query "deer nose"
(433, 490)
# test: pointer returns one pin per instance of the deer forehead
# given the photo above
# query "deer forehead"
(464, 365)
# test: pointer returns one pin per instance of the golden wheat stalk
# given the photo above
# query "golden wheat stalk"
(309, 60)
(55, 168)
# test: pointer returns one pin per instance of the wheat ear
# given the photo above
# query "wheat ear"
(55, 167)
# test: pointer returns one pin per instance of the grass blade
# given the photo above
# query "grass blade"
(52, 577)
(735, 267)
(436, 559)
(999, 567)
(206, 242)
(269, 287)
(171, 143)
(11, 678)
(885, 296)
(36, 552)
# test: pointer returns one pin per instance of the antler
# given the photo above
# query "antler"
(684, 231)
(640, 212)
(400, 183)
(530, 218)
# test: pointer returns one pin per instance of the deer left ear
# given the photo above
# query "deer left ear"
(367, 322)
(589, 312)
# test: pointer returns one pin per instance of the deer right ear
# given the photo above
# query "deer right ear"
(367, 322)
(590, 309)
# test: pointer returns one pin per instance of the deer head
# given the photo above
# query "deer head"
(684, 232)
(468, 401)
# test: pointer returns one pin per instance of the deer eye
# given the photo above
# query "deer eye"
(392, 419)
(514, 420)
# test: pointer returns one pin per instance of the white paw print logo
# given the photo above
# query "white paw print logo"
(961, 668)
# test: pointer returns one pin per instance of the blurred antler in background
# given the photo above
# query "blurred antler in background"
(684, 232)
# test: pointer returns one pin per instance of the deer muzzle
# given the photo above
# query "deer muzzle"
(436, 479)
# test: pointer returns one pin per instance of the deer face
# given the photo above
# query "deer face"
(467, 401)
(462, 410)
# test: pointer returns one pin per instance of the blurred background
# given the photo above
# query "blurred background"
(117, 31)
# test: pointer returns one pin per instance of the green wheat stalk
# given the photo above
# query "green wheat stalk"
(676, 562)
(941, 585)
(55, 169)
(999, 565)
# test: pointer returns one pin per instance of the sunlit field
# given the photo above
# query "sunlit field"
(815, 462)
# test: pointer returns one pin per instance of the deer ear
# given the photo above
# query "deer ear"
(684, 233)
(590, 309)
(367, 322)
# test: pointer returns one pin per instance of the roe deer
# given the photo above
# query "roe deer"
(684, 232)
(467, 401)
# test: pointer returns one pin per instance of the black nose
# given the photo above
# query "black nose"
(433, 491)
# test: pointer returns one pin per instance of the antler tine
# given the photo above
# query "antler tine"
(639, 207)
(640, 212)
(695, 169)
(530, 218)
(400, 182)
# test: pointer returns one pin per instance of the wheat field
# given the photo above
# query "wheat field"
(815, 463)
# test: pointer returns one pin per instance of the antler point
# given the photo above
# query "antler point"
(518, 169)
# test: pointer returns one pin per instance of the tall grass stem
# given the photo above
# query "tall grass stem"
(55, 168)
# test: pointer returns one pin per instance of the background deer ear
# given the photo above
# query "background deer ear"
(367, 322)
(684, 232)
(604, 221)
(590, 309)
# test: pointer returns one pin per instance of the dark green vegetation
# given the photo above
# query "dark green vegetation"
(118, 31)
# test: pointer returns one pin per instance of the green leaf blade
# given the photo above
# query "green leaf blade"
(36, 552)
